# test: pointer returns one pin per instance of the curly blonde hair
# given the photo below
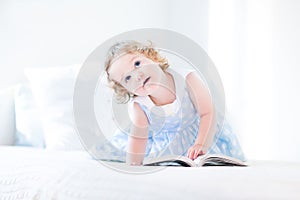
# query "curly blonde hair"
(128, 47)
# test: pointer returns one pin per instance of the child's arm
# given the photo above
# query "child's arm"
(138, 137)
(201, 98)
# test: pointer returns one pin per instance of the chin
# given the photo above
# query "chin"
(146, 91)
(141, 93)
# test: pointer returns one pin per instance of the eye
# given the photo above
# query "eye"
(127, 78)
(137, 63)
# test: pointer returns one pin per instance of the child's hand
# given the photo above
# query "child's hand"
(195, 151)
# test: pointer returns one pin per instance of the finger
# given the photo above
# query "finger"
(201, 152)
(194, 154)
(198, 153)
(188, 153)
(191, 154)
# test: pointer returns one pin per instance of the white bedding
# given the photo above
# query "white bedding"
(31, 173)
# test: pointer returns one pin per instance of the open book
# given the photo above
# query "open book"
(204, 160)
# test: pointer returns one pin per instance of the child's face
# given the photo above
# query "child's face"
(137, 73)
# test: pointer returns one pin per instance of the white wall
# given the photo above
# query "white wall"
(258, 59)
(50, 33)
(286, 81)
(254, 43)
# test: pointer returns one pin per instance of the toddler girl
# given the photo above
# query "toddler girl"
(171, 111)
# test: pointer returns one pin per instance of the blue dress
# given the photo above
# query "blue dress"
(173, 129)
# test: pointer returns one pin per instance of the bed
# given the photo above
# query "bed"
(41, 157)
(32, 173)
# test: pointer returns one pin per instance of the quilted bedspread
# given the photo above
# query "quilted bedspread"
(31, 173)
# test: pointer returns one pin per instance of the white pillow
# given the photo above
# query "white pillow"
(53, 90)
(29, 129)
(7, 117)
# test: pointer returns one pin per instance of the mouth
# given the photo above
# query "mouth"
(146, 80)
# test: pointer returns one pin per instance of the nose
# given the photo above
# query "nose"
(139, 75)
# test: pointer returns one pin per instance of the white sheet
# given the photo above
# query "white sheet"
(29, 173)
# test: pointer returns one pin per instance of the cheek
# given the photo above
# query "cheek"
(131, 87)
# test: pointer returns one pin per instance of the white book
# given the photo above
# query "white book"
(201, 161)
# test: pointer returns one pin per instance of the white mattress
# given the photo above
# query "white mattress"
(29, 173)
